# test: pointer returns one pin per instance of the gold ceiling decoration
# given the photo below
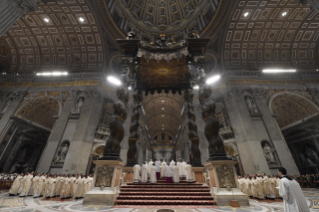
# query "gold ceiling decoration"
(61, 35)
(291, 108)
(271, 33)
(163, 74)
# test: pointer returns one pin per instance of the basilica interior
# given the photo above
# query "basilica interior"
(133, 80)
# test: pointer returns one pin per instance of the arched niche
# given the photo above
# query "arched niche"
(40, 111)
(61, 153)
(291, 108)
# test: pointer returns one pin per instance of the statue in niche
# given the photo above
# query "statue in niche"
(104, 176)
(251, 105)
(312, 155)
(269, 153)
(226, 177)
(193, 33)
(6, 106)
(78, 106)
(61, 155)
(131, 34)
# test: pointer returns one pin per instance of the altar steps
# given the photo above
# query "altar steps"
(161, 193)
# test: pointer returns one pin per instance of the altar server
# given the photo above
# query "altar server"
(136, 175)
(290, 191)
(169, 174)
(158, 169)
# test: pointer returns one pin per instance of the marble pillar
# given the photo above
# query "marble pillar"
(55, 136)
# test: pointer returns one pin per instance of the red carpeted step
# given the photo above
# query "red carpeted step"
(163, 186)
(178, 184)
(167, 197)
(167, 189)
(166, 193)
(165, 202)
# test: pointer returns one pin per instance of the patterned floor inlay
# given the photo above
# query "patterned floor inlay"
(29, 204)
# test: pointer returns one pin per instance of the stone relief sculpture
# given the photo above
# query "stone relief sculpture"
(62, 152)
(312, 155)
(104, 176)
(226, 177)
(78, 106)
(6, 106)
(251, 105)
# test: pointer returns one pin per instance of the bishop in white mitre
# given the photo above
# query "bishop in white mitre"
(175, 174)
(153, 175)
(172, 163)
(136, 175)
(290, 191)
(183, 169)
(150, 164)
(144, 172)
(189, 173)
(163, 169)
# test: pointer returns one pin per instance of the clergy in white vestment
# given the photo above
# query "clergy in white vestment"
(66, 189)
(169, 174)
(179, 165)
(183, 169)
(53, 181)
(136, 175)
(40, 189)
(78, 193)
(16, 185)
(175, 174)
(59, 182)
(35, 184)
(153, 175)
(290, 191)
(172, 163)
(158, 169)
(47, 186)
(163, 169)
(27, 184)
(150, 164)
(90, 182)
(189, 173)
(144, 172)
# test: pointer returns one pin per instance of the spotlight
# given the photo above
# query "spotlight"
(46, 20)
(162, 100)
(162, 115)
(276, 70)
(163, 108)
(246, 14)
(114, 80)
(212, 79)
(284, 14)
(54, 73)
(196, 87)
(162, 128)
(129, 88)
(81, 19)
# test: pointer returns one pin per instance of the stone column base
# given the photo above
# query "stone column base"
(106, 183)
(223, 181)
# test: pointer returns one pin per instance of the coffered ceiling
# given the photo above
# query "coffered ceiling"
(271, 33)
(60, 35)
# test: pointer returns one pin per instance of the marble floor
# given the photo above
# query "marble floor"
(30, 204)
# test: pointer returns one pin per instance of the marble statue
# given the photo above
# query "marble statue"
(226, 177)
(312, 155)
(61, 155)
(78, 106)
(193, 33)
(251, 105)
(131, 34)
(6, 106)
(269, 153)
(104, 176)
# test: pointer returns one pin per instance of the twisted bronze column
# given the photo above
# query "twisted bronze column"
(192, 129)
(132, 151)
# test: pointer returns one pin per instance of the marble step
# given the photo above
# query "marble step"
(165, 202)
(166, 193)
(167, 197)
